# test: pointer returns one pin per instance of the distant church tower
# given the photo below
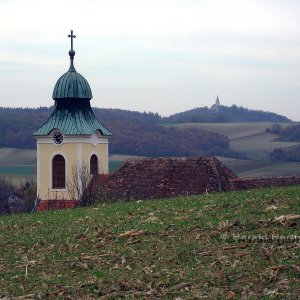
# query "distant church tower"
(216, 107)
(71, 143)
(217, 102)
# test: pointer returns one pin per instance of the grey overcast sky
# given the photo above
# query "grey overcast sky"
(163, 56)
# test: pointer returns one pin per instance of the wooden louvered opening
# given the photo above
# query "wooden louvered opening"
(58, 172)
(94, 165)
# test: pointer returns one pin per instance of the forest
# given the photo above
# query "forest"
(133, 133)
(140, 133)
(225, 114)
(287, 134)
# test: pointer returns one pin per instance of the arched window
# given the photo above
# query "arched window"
(58, 172)
(94, 165)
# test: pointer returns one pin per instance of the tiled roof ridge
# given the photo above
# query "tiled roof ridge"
(167, 176)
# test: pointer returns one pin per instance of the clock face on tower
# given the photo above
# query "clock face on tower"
(57, 138)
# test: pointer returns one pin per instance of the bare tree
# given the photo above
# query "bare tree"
(82, 186)
(78, 182)
(28, 192)
(6, 187)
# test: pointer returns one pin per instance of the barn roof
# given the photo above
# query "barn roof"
(167, 177)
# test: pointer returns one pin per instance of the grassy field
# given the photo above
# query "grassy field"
(250, 138)
(18, 165)
(219, 246)
(234, 130)
(277, 169)
(114, 165)
(254, 168)
(122, 157)
(18, 175)
(116, 161)
(15, 157)
(21, 170)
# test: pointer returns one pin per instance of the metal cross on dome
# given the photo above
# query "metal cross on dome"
(72, 36)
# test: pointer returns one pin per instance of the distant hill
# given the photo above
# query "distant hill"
(224, 114)
(137, 133)
(134, 133)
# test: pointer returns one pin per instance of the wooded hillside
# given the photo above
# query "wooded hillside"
(134, 133)
(224, 114)
(138, 133)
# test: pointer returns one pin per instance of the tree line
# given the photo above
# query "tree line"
(224, 114)
(15, 199)
(141, 133)
(134, 133)
(287, 134)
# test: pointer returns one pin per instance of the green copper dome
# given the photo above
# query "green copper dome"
(72, 85)
(70, 116)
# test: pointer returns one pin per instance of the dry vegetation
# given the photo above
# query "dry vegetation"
(181, 248)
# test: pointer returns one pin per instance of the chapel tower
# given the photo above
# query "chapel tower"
(217, 106)
(72, 145)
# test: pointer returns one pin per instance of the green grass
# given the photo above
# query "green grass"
(234, 130)
(179, 249)
(18, 165)
(253, 168)
(15, 157)
(250, 137)
(278, 169)
(114, 165)
(18, 175)
(19, 170)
